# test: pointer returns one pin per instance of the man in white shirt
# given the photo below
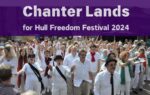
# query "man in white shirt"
(68, 60)
(94, 58)
(81, 74)
(59, 74)
(107, 82)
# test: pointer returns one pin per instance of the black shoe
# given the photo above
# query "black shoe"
(141, 89)
(135, 92)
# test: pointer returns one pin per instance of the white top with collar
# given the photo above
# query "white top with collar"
(93, 64)
(81, 72)
(102, 84)
(68, 60)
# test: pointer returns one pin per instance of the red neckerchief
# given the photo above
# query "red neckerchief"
(92, 56)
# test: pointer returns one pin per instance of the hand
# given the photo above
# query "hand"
(73, 68)
(50, 67)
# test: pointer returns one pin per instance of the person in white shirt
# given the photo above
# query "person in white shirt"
(94, 58)
(11, 59)
(32, 81)
(59, 74)
(70, 57)
(125, 73)
(68, 60)
(137, 69)
(82, 76)
(107, 82)
(45, 63)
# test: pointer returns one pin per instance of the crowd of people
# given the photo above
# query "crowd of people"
(73, 67)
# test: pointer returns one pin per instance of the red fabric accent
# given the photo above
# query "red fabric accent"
(93, 56)
(144, 57)
(21, 62)
(47, 60)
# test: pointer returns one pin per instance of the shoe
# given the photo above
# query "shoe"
(135, 92)
(141, 89)
(47, 90)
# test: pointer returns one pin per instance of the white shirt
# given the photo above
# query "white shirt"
(93, 64)
(41, 61)
(30, 75)
(102, 84)
(81, 71)
(13, 63)
(68, 60)
(57, 80)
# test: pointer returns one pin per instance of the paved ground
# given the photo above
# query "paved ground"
(146, 90)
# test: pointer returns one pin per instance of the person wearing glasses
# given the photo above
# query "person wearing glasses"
(107, 82)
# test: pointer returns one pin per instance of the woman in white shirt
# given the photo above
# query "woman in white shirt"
(32, 82)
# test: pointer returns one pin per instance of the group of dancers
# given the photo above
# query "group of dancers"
(77, 67)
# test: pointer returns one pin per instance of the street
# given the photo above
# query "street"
(146, 90)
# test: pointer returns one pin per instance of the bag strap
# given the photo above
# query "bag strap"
(37, 73)
(53, 63)
(61, 73)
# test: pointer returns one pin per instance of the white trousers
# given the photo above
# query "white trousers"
(59, 90)
(33, 85)
(125, 89)
(141, 80)
(135, 81)
(47, 82)
(148, 73)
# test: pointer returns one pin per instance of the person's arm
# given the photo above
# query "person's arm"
(72, 71)
(98, 65)
(65, 62)
(22, 70)
(39, 52)
(67, 71)
(2, 58)
(122, 65)
(50, 72)
(97, 85)
(73, 68)
(90, 75)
